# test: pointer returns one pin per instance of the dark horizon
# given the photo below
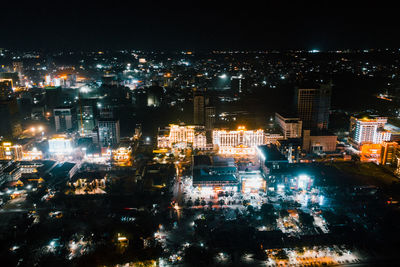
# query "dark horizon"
(182, 26)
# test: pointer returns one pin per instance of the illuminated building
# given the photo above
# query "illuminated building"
(88, 183)
(64, 119)
(290, 126)
(10, 76)
(198, 106)
(370, 152)
(122, 155)
(252, 182)
(138, 132)
(34, 154)
(238, 142)
(182, 136)
(368, 130)
(389, 151)
(60, 145)
(313, 104)
(272, 138)
(319, 142)
(10, 152)
(109, 132)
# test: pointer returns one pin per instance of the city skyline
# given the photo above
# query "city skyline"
(199, 134)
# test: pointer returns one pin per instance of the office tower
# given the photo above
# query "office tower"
(198, 106)
(64, 118)
(210, 118)
(10, 125)
(85, 119)
(368, 130)
(109, 132)
(5, 89)
(313, 104)
(290, 125)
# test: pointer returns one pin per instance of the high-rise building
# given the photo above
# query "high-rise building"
(86, 119)
(64, 118)
(109, 132)
(210, 118)
(368, 130)
(313, 104)
(198, 107)
(389, 153)
(290, 125)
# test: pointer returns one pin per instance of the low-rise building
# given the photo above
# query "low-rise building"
(319, 142)
(217, 173)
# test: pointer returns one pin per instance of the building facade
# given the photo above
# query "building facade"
(109, 132)
(313, 106)
(182, 136)
(241, 141)
(291, 127)
(368, 130)
(64, 119)
(319, 142)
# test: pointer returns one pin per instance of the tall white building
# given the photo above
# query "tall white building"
(368, 130)
(290, 126)
(241, 141)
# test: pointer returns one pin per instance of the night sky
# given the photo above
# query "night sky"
(172, 25)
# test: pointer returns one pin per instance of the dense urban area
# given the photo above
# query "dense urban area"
(199, 158)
